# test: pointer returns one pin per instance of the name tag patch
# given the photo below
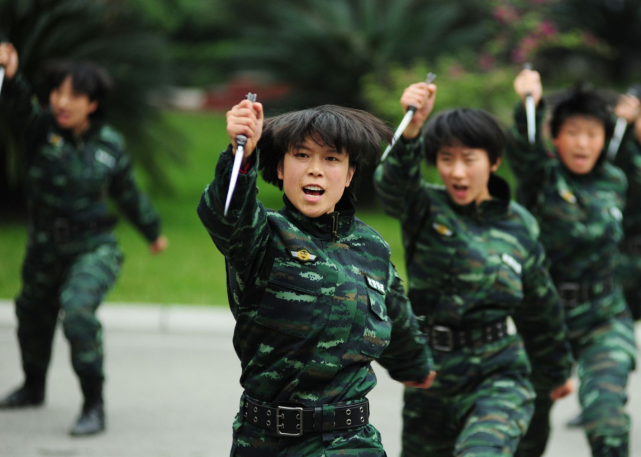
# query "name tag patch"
(616, 213)
(303, 255)
(375, 285)
(104, 157)
(512, 263)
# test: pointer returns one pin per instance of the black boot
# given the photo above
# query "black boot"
(31, 393)
(92, 416)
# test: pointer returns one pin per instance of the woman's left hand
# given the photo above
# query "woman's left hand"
(159, 245)
(424, 384)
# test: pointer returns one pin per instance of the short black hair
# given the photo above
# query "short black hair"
(86, 78)
(473, 128)
(356, 132)
(585, 102)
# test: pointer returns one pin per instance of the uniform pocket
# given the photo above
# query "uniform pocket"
(378, 325)
(290, 297)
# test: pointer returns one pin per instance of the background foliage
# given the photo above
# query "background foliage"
(359, 53)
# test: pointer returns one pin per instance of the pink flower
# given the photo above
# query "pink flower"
(519, 56)
(546, 29)
(486, 62)
(506, 14)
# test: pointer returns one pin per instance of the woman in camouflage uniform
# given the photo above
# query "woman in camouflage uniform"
(75, 162)
(473, 260)
(315, 296)
(578, 199)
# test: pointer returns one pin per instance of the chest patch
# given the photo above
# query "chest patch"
(512, 263)
(567, 196)
(441, 229)
(375, 285)
(105, 158)
(303, 255)
(56, 140)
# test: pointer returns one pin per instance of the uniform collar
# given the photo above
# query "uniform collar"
(328, 227)
(496, 207)
(94, 129)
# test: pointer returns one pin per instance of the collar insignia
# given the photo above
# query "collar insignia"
(441, 229)
(375, 285)
(303, 255)
(512, 263)
(56, 140)
(568, 196)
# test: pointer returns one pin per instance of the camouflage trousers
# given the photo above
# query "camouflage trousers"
(251, 441)
(76, 284)
(605, 356)
(459, 416)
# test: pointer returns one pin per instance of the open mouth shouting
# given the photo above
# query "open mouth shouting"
(459, 191)
(313, 192)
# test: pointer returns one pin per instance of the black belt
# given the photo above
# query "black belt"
(448, 339)
(631, 245)
(574, 293)
(63, 229)
(293, 421)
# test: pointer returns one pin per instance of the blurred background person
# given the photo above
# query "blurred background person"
(578, 199)
(76, 161)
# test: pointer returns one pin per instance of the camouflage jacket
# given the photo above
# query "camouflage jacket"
(72, 177)
(315, 300)
(580, 216)
(471, 265)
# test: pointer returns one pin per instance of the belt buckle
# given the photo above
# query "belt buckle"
(572, 287)
(279, 425)
(450, 338)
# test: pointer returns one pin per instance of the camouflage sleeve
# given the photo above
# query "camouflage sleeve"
(243, 235)
(132, 202)
(408, 357)
(541, 321)
(398, 178)
(628, 159)
(26, 114)
(527, 161)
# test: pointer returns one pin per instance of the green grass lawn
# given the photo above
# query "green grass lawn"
(191, 271)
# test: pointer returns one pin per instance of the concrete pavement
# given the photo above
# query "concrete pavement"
(173, 390)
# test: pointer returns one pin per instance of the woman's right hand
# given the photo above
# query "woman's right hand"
(9, 59)
(246, 118)
(421, 96)
(528, 82)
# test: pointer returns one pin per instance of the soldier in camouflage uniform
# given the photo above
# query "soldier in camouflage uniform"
(314, 294)
(75, 162)
(628, 158)
(473, 260)
(578, 199)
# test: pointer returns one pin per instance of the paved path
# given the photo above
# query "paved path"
(173, 390)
